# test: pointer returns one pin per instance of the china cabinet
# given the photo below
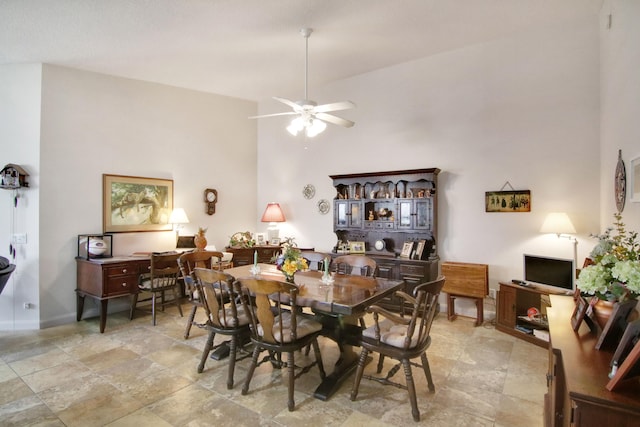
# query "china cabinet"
(387, 210)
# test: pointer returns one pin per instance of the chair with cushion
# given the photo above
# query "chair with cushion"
(277, 329)
(219, 295)
(315, 260)
(403, 339)
(188, 262)
(162, 277)
(355, 264)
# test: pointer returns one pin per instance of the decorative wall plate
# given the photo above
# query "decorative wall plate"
(309, 191)
(324, 206)
(620, 183)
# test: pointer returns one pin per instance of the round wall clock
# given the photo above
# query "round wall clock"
(620, 183)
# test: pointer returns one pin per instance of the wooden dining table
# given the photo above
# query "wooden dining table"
(338, 306)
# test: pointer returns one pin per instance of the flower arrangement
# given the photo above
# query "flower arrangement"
(241, 239)
(291, 260)
(615, 272)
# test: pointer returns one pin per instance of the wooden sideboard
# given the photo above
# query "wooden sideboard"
(244, 256)
(578, 374)
(107, 278)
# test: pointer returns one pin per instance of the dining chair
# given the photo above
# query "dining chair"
(355, 264)
(188, 262)
(279, 327)
(403, 339)
(315, 260)
(220, 298)
(162, 277)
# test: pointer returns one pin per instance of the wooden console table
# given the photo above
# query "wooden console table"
(107, 278)
(578, 374)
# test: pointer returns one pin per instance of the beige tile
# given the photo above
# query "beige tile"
(99, 410)
(140, 418)
(40, 362)
(28, 411)
(69, 372)
(13, 390)
(6, 373)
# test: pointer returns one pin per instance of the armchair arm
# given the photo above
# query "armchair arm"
(377, 310)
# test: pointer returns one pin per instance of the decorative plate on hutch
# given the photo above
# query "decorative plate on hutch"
(324, 206)
(309, 191)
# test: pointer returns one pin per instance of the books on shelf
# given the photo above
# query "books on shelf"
(524, 329)
(541, 334)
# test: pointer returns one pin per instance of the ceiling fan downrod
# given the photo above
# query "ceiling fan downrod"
(306, 32)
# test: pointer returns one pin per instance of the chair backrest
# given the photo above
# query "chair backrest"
(424, 311)
(355, 264)
(191, 260)
(315, 260)
(219, 296)
(272, 299)
(164, 271)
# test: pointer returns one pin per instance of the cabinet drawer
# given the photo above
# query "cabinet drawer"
(411, 270)
(121, 270)
(120, 285)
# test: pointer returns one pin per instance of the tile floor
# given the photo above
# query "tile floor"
(139, 375)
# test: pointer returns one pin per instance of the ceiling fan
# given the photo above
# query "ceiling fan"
(312, 118)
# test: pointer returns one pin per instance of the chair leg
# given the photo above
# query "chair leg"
(380, 362)
(411, 388)
(291, 370)
(427, 372)
(192, 316)
(134, 301)
(207, 349)
(153, 308)
(252, 367)
(177, 301)
(356, 383)
(233, 345)
(316, 350)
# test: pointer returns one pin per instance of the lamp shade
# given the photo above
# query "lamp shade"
(557, 223)
(273, 213)
(178, 216)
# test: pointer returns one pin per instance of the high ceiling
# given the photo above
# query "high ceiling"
(252, 49)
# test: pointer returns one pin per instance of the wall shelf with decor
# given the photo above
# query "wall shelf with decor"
(395, 215)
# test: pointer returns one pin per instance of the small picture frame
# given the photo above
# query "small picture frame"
(579, 312)
(617, 324)
(261, 239)
(356, 247)
(407, 250)
(629, 339)
(275, 241)
(419, 252)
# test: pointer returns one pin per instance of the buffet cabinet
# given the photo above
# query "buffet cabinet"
(392, 218)
(245, 256)
(578, 374)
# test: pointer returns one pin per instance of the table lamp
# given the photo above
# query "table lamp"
(177, 219)
(273, 215)
(558, 223)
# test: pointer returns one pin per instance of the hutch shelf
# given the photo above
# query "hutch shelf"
(394, 215)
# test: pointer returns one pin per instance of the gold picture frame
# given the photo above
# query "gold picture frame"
(407, 250)
(133, 203)
(356, 247)
(507, 201)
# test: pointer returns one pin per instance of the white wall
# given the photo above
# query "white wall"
(94, 124)
(523, 109)
(19, 144)
(620, 103)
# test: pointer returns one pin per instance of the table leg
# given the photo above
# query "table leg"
(79, 306)
(103, 314)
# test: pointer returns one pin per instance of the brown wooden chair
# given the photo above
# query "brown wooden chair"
(188, 262)
(162, 277)
(315, 260)
(403, 339)
(226, 315)
(278, 329)
(355, 264)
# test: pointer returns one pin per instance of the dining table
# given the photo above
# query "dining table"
(337, 304)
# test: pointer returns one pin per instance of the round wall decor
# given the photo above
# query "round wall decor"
(324, 206)
(309, 191)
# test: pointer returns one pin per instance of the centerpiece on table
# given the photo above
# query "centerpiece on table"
(614, 275)
(291, 260)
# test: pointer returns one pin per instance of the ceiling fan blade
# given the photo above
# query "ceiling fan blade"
(335, 106)
(335, 120)
(291, 104)
(288, 113)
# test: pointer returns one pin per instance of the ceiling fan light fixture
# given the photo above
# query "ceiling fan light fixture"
(315, 127)
(296, 126)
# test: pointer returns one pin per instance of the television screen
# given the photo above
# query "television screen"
(549, 271)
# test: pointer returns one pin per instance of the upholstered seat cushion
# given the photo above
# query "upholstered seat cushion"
(305, 327)
(228, 321)
(391, 334)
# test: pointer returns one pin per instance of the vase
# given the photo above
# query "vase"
(602, 311)
(289, 278)
(200, 241)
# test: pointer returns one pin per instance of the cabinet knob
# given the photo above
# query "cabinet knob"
(124, 284)
(124, 270)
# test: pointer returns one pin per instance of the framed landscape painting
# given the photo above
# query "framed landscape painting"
(133, 203)
(507, 201)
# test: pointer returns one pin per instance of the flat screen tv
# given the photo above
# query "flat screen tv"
(556, 272)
